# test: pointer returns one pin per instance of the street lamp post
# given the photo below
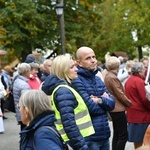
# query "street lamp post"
(59, 10)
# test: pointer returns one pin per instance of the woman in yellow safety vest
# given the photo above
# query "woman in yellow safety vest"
(73, 119)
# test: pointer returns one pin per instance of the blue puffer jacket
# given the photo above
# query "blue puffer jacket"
(37, 136)
(88, 84)
(44, 76)
(65, 102)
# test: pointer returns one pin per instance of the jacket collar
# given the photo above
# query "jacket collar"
(86, 73)
(45, 118)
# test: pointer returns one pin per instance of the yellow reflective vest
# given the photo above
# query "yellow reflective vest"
(82, 116)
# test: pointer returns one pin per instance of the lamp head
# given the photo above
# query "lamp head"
(59, 9)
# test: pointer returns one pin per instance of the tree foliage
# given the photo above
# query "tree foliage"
(109, 25)
(2, 34)
(136, 16)
(29, 25)
(103, 25)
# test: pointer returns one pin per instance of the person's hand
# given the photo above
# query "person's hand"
(94, 98)
(1, 114)
(7, 92)
(105, 95)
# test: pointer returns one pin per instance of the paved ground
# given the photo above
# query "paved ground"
(10, 139)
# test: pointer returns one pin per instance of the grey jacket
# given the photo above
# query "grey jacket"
(19, 86)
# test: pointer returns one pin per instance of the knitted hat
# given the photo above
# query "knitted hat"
(30, 58)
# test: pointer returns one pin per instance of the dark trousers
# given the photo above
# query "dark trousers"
(120, 135)
(2, 105)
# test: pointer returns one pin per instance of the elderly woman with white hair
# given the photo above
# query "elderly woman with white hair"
(138, 115)
(118, 115)
(20, 84)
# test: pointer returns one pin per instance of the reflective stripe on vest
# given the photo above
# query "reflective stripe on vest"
(82, 117)
(77, 116)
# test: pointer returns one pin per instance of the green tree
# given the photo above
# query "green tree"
(135, 19)
(29, 25)
(2, 34)
(82, 24)
(104, 25)
(108, 26)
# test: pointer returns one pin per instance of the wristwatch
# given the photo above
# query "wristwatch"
(100, 101)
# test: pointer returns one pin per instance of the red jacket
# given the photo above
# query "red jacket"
(34, 82)
(139, 112)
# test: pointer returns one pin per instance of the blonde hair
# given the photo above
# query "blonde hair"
(36, 101)
(60, 67)
(112, 63)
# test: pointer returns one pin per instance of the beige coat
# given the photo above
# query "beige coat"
(116, 89)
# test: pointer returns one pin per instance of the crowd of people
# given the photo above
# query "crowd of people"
(72, 100)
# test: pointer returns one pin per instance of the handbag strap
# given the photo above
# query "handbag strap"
(65, 145)
(57, 133)
(50, 129)
(54, 131)
(148, 70)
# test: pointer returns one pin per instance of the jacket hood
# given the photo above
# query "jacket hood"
(51, 82)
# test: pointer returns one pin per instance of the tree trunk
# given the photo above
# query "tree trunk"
(140, 53)
(24, 53)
